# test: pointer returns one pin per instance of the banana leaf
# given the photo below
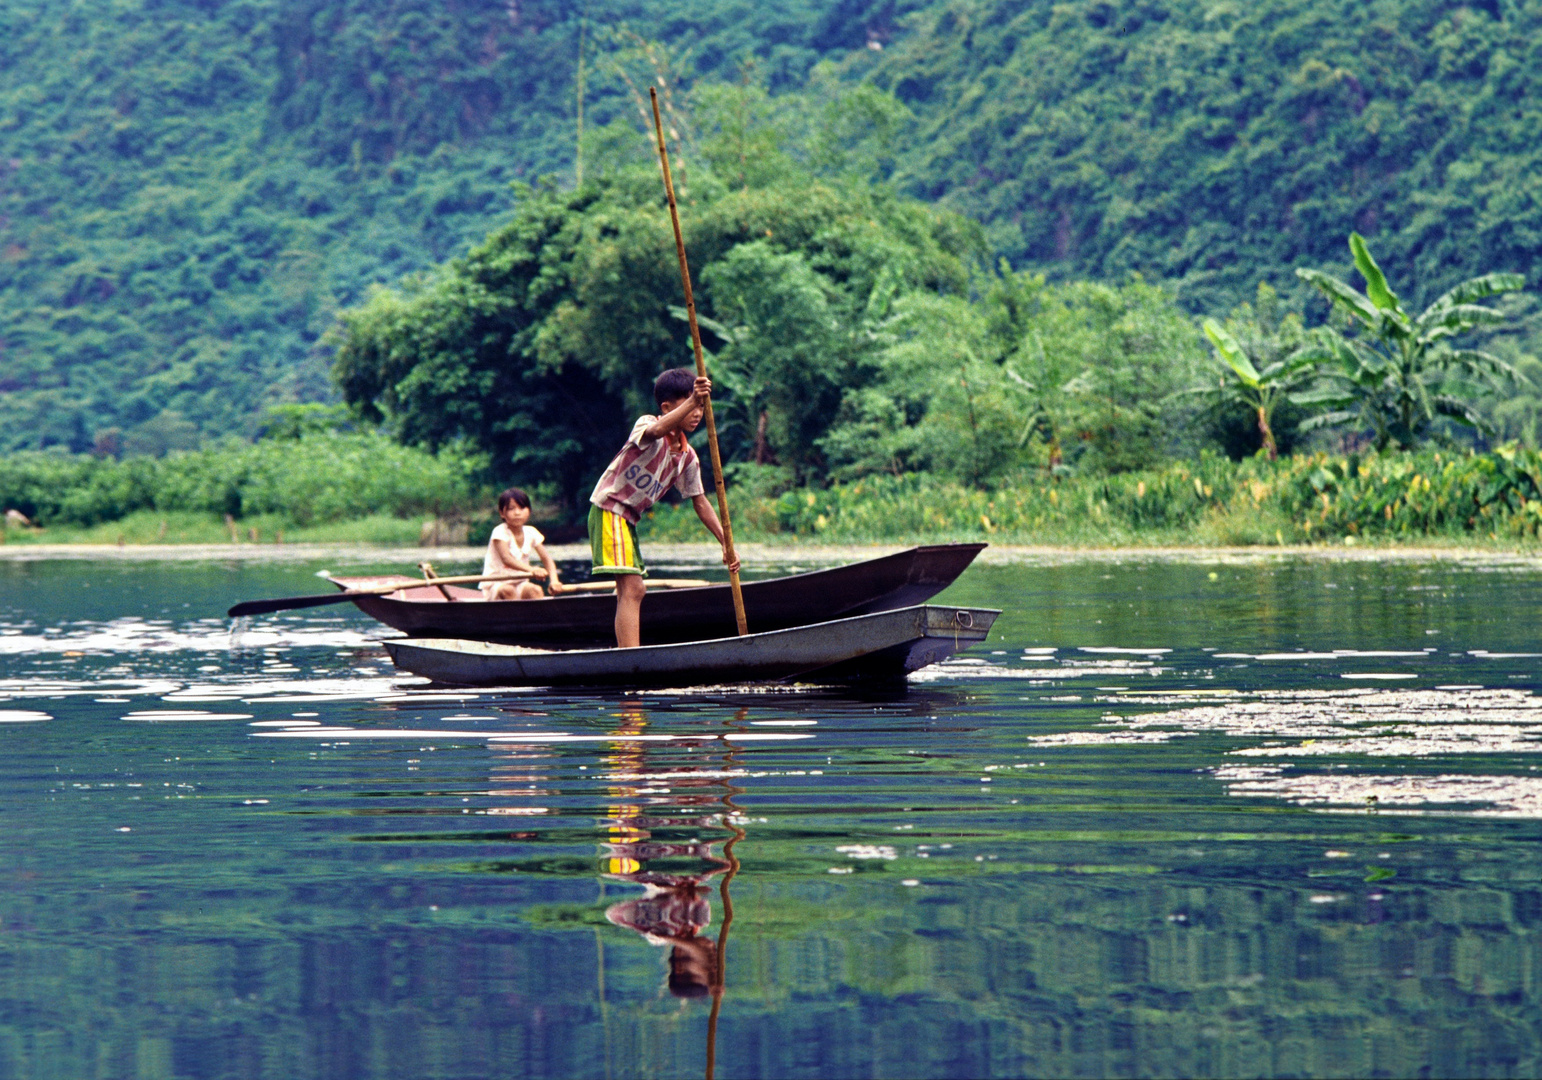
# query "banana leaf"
(1325, 395)
(1480, 362)
(1325, 420)
(1455, 409)
(1231, 352)
(1456, 319)
(1376, 287)
(1474, 289)
(1356, 303)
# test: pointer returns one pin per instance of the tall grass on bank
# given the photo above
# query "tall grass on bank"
(324, 477)
(1401, 496)
(185, 527)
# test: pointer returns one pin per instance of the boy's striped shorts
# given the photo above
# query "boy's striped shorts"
(613, 544)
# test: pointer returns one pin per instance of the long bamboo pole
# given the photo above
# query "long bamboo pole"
(701, 368)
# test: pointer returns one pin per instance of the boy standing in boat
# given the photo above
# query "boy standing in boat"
(655, 458)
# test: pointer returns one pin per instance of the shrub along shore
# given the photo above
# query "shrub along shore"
(323, 485)
(364, 488)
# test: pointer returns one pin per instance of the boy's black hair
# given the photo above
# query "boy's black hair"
(675, 384)
(516, 496)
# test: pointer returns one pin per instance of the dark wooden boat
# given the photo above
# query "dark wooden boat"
(882, 647)
(900, 580)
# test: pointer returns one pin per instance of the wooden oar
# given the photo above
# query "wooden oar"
(429, 574)
(701, 368)
(289, 603)
(653, 583)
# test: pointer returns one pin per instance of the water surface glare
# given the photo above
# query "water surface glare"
(1173, 819)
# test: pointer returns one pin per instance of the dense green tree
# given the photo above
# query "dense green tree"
(1110, 363)
(784, 357)
(1518, 414)
(542, 343)
(940, 399)
(1034, 374)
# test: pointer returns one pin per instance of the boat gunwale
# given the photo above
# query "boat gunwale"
(882, 651)
(347, 582)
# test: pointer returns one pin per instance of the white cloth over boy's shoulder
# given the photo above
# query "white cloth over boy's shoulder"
(492, 564)
(643, 471)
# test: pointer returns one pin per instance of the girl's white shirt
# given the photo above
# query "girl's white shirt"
(492, 564)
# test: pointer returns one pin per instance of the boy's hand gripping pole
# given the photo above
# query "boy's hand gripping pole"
(701, 369)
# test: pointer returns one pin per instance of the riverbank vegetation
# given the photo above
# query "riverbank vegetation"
(304, 480)
(1457, 497)
(954, 271)
(1442, 495)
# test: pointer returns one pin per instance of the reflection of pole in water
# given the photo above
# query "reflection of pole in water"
(599, 955)
(721, 975)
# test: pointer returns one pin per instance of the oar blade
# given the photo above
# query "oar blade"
(285, 603)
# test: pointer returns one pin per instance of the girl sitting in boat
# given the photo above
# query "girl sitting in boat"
(510, 548)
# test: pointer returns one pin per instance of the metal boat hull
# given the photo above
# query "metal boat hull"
(880, 647)
(893, 581)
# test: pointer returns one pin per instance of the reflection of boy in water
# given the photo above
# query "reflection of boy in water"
(675, 914)
(674, 908)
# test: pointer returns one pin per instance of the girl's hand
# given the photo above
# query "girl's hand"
(556, 587)
(538, 571)
(733, 566)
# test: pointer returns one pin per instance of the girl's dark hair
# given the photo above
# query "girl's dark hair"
(674, 385)
(515, 496)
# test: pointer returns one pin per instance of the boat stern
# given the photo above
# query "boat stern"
(939, 632)
(949, 630)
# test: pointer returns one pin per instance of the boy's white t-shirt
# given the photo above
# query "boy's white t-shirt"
(643, 470)
(492, 564)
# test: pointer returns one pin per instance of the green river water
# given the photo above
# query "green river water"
(1257, 818)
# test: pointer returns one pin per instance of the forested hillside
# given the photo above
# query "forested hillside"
(1214, 143)
(190, 192)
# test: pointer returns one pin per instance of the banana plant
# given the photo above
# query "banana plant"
(1260, 390)
(1392, 374)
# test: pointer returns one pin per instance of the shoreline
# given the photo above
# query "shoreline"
(768, 554)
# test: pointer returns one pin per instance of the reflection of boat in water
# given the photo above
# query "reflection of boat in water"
(675, 909)
(903, 579)
(882, 647)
